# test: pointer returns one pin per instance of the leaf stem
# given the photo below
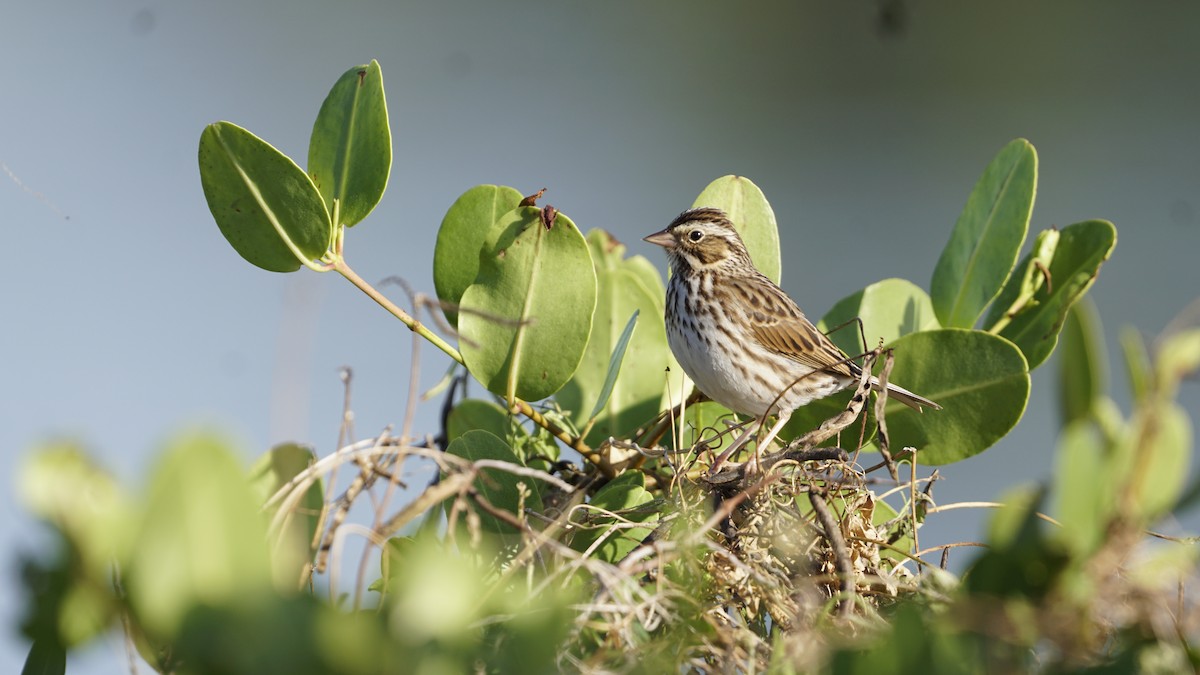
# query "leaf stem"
(339, 264)
(518, 406)
(575, 443)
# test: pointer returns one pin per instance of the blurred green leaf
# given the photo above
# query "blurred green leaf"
(392, 558)
(462, 234)
(1083, 363)
(60, 484)
(1178, 357)
(1137, 363)
(497, 486)
(980, 381)
(266, 206)
(913, 641)
(888, 309)
(46, 657)
(747, 207)
(1081, 249)
(202, 540)
(293, 547)
(525, 321)
(1022, 563)
(987, 237)
(625, 496)
(350, 151)
(1152, 461)
(1083, 486)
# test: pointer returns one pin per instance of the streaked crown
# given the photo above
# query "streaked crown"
(703, 239)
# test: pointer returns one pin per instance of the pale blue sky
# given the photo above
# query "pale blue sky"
(133, 318)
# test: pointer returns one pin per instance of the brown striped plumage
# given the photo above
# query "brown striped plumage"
(740, 338)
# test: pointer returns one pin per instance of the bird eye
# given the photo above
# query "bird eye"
(695, 235)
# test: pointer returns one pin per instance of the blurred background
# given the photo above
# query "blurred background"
(127, 316)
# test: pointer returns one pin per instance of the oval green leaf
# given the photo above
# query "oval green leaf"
(637, 389)
(474, 414)
(1081, 249)
(888, 309)
(266, 206)
(203, 540)
(350, 150)
(462, 234)
(627, 498)
(1083, 364)
(1083, 486)
(987, 237)
(1153, 459)
(524, 323)
(1027, 279)
(499, 487)
(980, 381)
(751, 214)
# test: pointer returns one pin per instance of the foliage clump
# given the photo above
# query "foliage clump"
(570, 519)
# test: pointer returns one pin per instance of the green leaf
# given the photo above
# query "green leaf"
(882, 515)
(619, 398)
(202, 540)
(473, 413)
(1178, 358)
(888, 309)
(293, 547)
(987, 237)
(463, 232)
(747, 207)
(980, 381)
(1028, 278)
(1137, 363)
(525, 322)
(626, 497)
(1083, 486)
(60, 484)
(614, 365)
(396, 552)
(266, 206)
(499, 487)
(1021, 561)
(649, 278)
(350, 151)
(1152, 460)
(1083, 363)
(703, 422)
(1081, 249)
(46, 657)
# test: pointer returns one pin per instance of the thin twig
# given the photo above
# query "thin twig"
(841, 556)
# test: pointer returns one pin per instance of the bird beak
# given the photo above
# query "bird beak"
(663, 239)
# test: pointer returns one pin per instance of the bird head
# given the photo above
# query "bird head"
(702, 239)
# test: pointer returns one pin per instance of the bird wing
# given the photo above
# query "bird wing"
(777, 324)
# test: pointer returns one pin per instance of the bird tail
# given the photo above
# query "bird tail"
(905, 396)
